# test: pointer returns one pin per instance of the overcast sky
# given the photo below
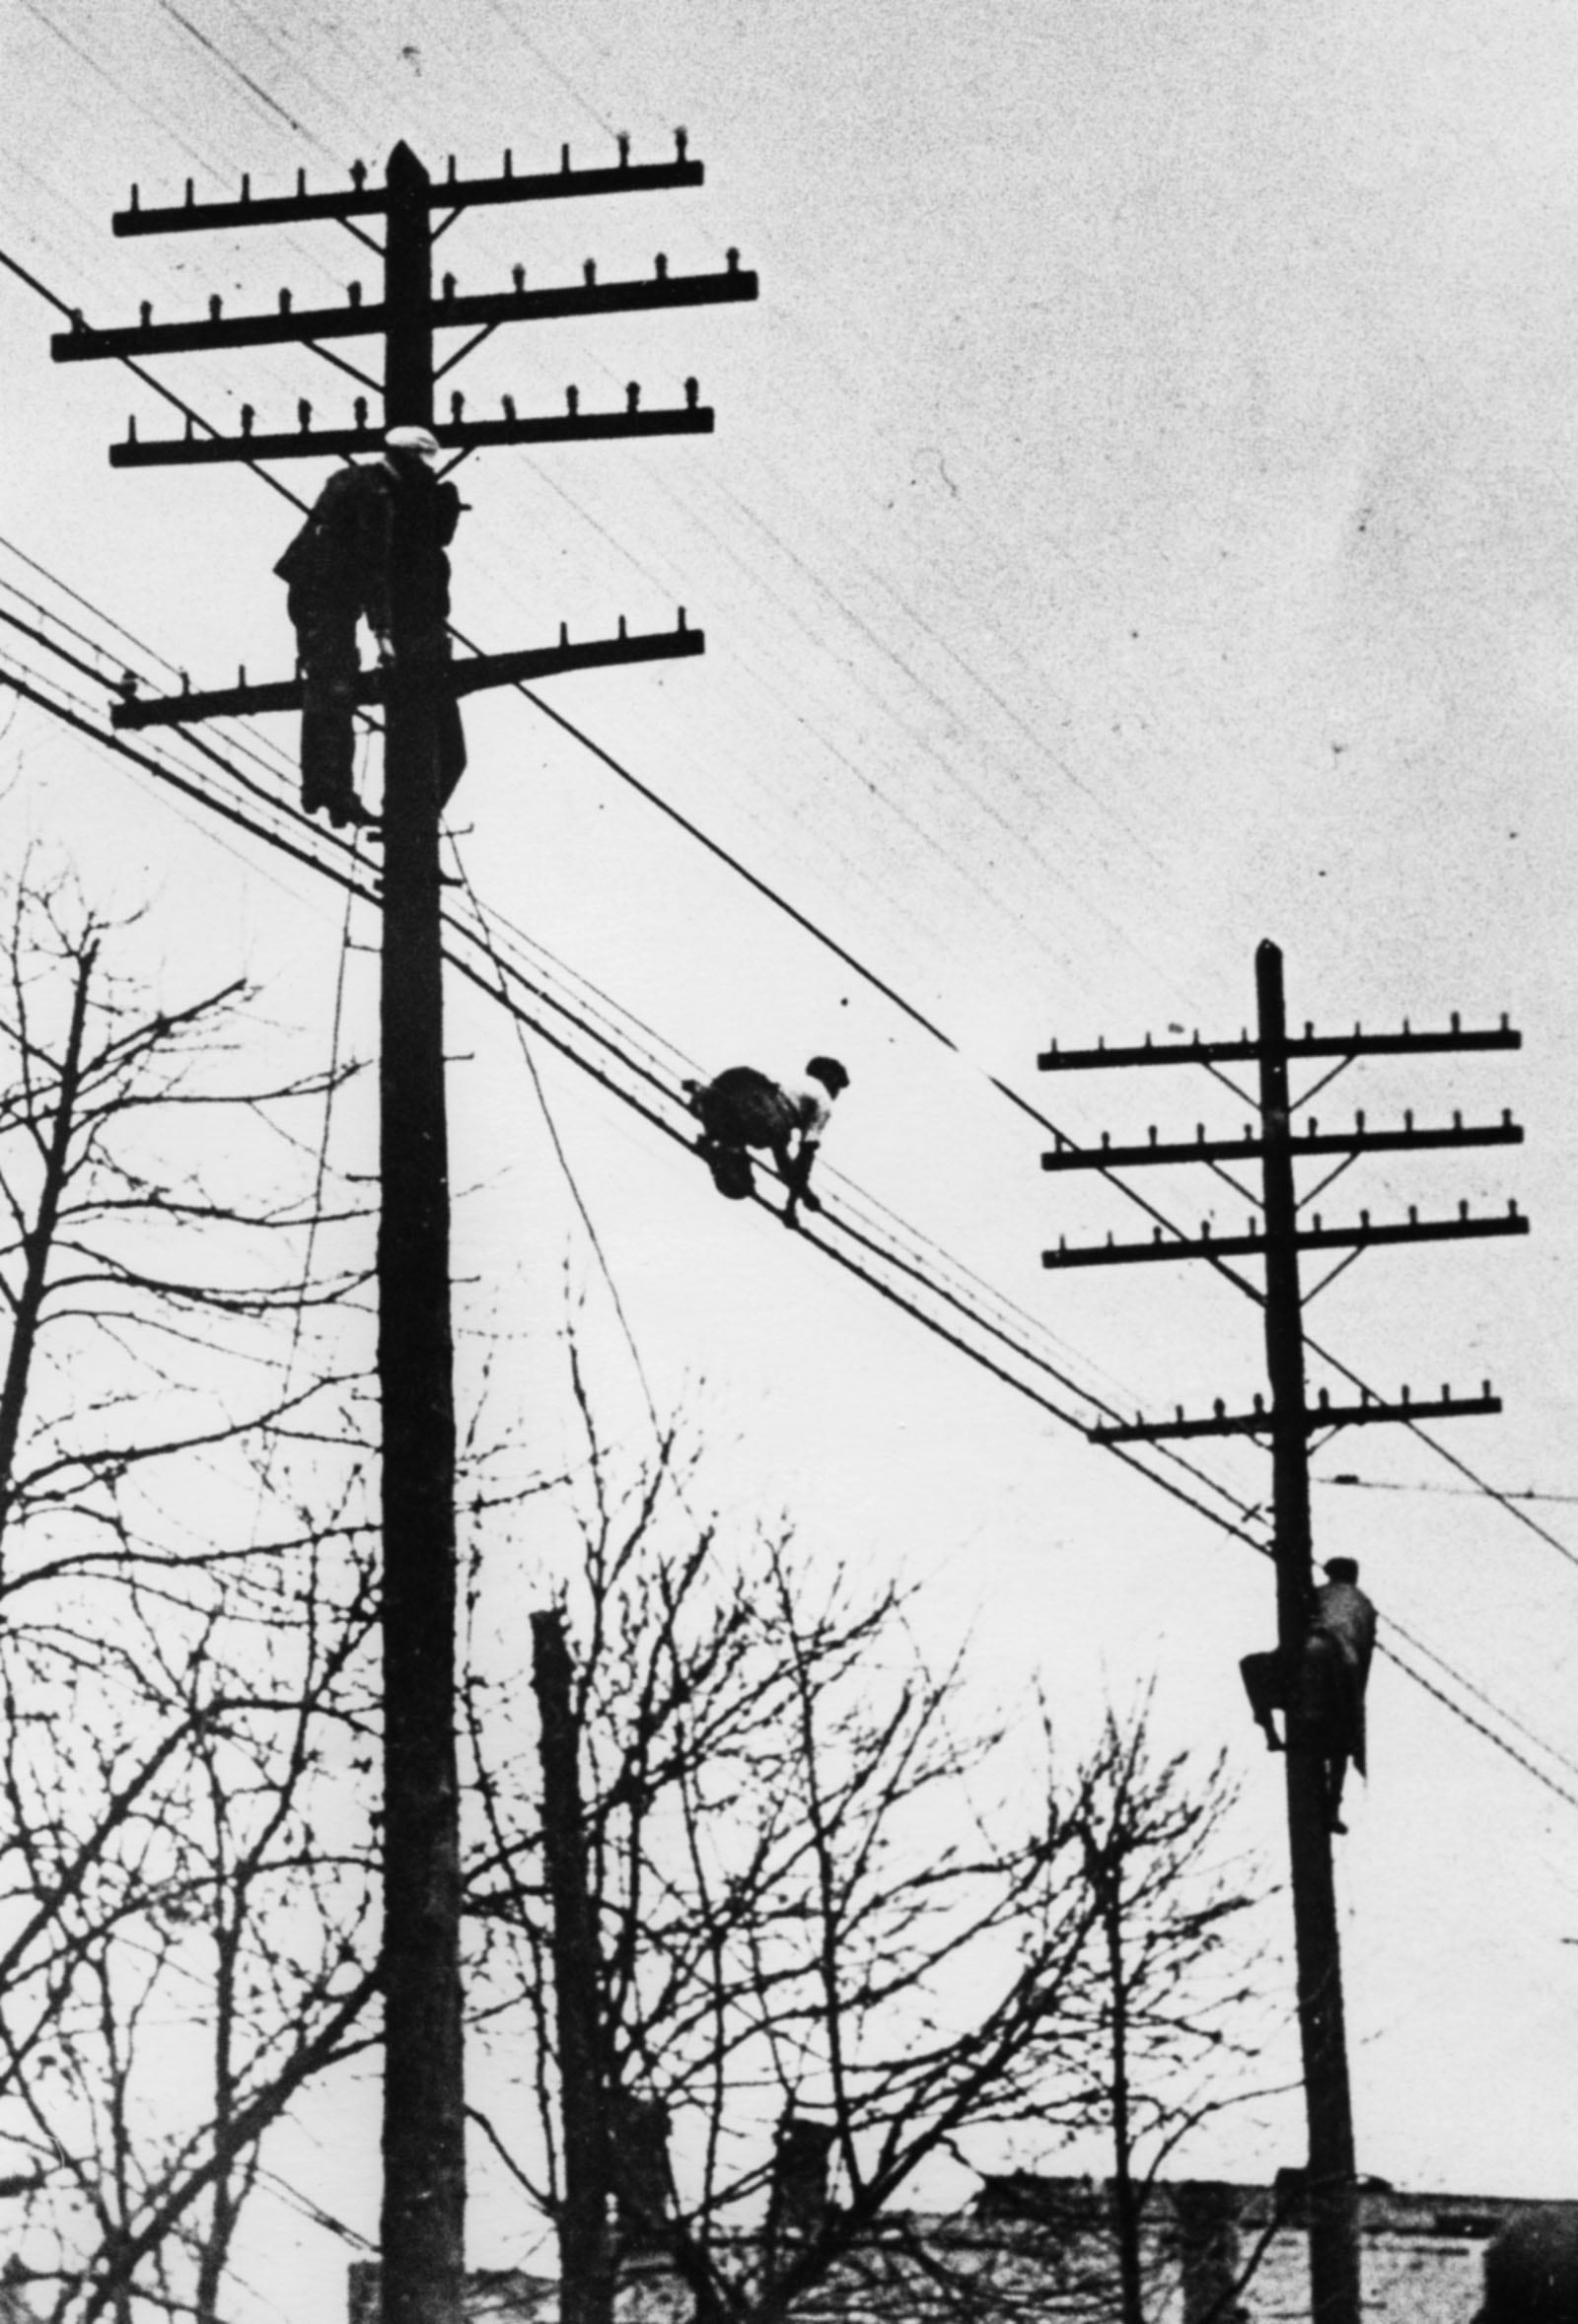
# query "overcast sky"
(1140, 520)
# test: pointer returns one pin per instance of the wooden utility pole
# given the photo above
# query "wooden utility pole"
(1330, 2184)
(422, 2248)
(423, 2240)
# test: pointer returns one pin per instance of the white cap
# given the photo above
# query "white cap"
(421, 442)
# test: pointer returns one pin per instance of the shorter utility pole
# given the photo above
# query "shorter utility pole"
(1289, 1423)
(586, 2255)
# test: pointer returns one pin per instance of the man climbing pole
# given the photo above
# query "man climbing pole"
(743, 1107)
(1325, 1687)
(373, 548)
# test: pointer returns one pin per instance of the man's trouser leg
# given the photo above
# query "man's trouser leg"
(451, 747)
(431, 657)
(794, 1171)
(325, 646)
(1266, 1688)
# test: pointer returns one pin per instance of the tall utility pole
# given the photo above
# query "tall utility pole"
(422, 2241)
(424, 2165)
(1289, 1423)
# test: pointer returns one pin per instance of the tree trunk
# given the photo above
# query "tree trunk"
(1126, 2205)
(214, 2251)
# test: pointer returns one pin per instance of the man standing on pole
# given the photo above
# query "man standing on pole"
(367, 526)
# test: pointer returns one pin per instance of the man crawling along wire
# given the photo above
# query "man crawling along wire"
(743, 1107)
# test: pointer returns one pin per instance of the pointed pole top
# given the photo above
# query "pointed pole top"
(403, 164)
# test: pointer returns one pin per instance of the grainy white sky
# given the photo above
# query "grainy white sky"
(1140, 519)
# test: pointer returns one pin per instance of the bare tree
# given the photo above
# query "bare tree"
(133, 1291)
(821, 1955)
(186, 1593)
(747, 1892)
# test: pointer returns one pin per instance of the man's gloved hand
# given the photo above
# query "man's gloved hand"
(386, 648)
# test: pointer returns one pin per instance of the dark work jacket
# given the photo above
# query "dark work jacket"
(370, 532)
(1341, 1611)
